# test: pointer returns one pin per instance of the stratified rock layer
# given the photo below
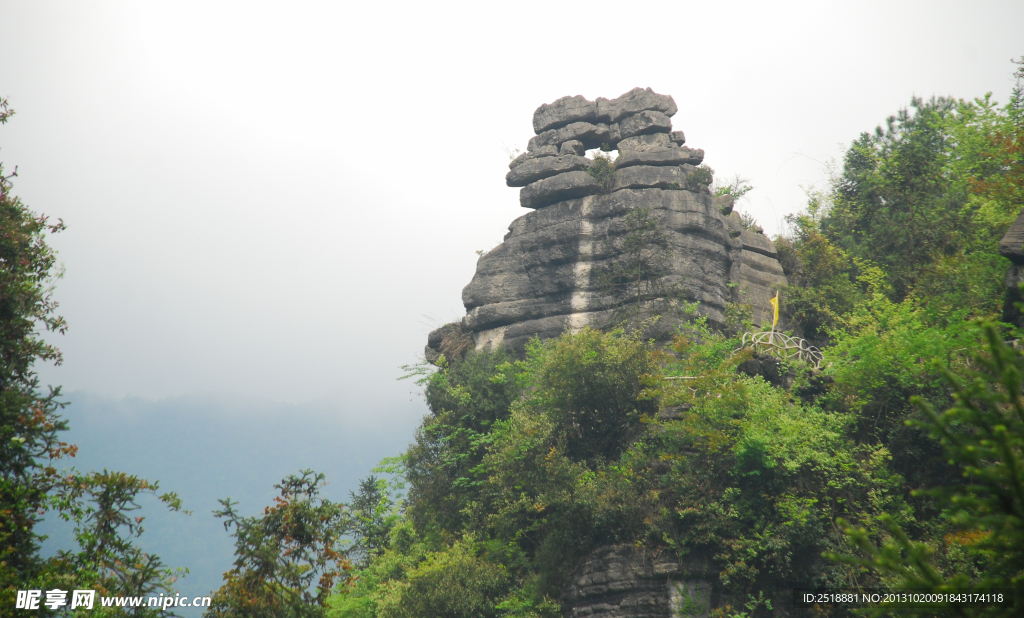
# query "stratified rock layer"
(660, 156)
(540, 281)
(545, 278)
(558, 188)
(533, 170)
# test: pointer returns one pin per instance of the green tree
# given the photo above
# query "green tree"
(736, 188)
(374, 512)
(30, 425)
(99, 504)
(823, 285)
(455, 583)
(590, 386)
(542, 499)
(466, 397)
(102, 506)
(928, 197)
(895, 206)
(983, 432)
(287, 560)
(603, 170)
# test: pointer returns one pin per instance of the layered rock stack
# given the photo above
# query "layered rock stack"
(638, 124)
(544, 278)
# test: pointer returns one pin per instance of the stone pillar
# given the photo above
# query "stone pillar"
(544, 278)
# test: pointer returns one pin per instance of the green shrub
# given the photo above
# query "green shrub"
(603, 169)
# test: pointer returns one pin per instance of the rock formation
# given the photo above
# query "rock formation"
(1012, 247)
(546, 275)
(622, 582)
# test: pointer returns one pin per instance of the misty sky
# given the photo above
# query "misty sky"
(279, 200)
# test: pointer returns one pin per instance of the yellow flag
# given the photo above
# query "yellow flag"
(775, 306)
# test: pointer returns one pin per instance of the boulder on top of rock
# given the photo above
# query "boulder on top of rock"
(677, 137)
(572, 147)
(644, 142)
(660, 156)
(562, 112)
(649, 176)
(634, 101)
(642, 123)
(565, 186)
(533, 170)
(591, 135)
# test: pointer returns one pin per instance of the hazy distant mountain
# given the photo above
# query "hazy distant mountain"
(207, 447)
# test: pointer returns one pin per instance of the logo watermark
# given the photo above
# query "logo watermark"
(86, 599)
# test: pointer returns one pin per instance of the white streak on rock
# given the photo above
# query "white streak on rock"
(578, 319)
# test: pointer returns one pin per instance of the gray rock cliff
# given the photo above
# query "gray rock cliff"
(545, 278)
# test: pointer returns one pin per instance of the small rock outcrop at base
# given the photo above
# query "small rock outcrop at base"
(1011, 246)
(620, 581)
(551, 272)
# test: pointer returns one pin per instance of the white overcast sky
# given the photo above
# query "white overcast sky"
(266, 198)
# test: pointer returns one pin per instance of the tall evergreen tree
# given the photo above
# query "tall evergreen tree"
(373, 517)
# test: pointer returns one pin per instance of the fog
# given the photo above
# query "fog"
(279, 200)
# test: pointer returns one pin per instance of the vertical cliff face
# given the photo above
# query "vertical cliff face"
(756, 272)
(550, 274)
